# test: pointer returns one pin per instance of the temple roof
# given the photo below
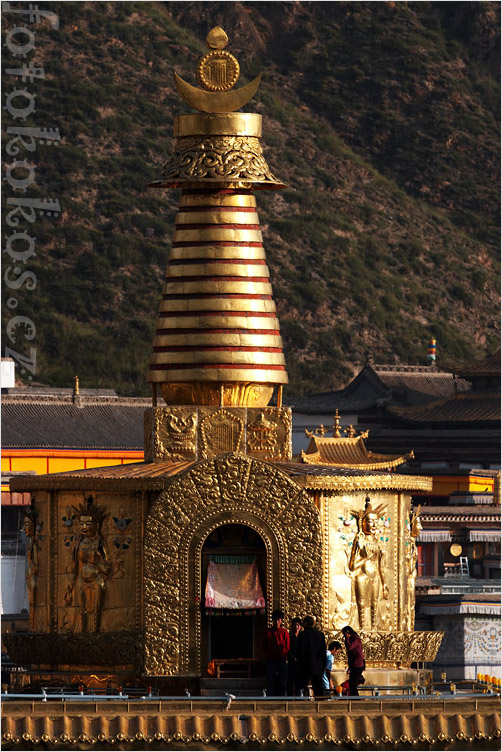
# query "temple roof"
(468, 407)
(485, 368)
(159, 474)
(348, 452)
(377, 386)
(108, 424)
(482, 513)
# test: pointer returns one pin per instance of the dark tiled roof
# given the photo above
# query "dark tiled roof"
(66, 426)
(421, 382)
(484, 513)
(488, 367)
(458, 408)
(376, 386)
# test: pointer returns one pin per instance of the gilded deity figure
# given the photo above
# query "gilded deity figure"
(89, 568)
(30, 530)
(411, 558)
(367, 565)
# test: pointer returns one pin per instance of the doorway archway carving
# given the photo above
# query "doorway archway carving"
(232, 489)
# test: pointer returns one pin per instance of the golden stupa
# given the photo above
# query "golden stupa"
(118, 556)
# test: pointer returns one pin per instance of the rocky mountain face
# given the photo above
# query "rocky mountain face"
(381, 118)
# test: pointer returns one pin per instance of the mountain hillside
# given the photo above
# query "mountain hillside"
(381, 118)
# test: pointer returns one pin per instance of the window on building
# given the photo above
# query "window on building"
(425, 564)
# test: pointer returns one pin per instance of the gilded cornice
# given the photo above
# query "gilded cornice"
(365, 482)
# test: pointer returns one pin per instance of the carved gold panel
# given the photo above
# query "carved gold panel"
(269, 432)
(221, 431)
(171, 432)
(233, 488)
(396, 649)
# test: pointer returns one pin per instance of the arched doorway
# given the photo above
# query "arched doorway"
(229, 490)
(231, 632)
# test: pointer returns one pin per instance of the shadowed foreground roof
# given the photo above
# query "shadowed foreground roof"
(194, 724)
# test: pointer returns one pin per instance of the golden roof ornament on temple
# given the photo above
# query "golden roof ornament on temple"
(347, 451)
(217, 339)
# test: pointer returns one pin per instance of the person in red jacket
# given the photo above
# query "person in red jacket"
(276, 649)
(355, 659)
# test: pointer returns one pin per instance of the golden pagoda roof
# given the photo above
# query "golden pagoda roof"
(347, 451)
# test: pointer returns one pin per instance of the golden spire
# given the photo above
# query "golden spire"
(336, 425)
(217, 338)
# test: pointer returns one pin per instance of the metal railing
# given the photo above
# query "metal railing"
(140, 694)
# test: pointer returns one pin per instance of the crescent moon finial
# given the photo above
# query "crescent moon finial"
(217, 72)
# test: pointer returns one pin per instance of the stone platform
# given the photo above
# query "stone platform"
(388, 677)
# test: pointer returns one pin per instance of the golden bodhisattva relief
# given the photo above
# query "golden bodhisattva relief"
(89, 568)
(368, 567)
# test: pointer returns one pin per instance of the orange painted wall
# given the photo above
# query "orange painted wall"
(62, 460)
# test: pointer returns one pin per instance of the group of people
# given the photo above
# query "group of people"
(299, 657)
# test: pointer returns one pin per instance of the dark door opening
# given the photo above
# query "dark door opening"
(230, 637)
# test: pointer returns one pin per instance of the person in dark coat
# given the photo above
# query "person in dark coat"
(312, 656)
(355, 658)
(294, 678)
(276, 649)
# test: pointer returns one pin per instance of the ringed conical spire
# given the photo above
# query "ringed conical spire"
(217, 338)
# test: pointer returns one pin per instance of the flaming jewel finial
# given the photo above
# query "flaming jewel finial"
(217, 72)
